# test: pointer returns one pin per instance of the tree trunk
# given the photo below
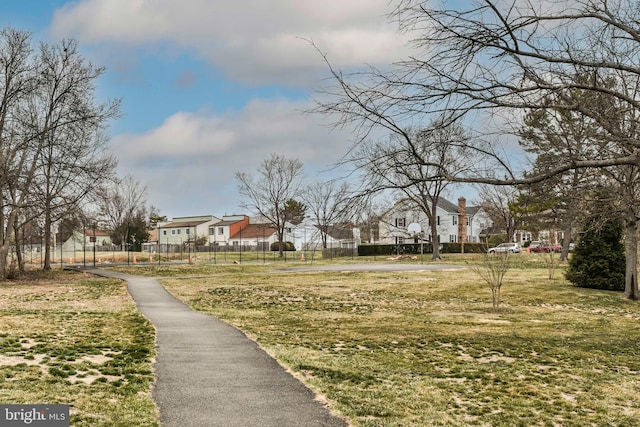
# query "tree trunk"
(280, 242)
(567, 241)
(4, 248)
(47, 240)
(6, 222)
(19, 247)
(631, 257)
(435, 241)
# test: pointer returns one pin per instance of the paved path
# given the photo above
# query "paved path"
(210, 374)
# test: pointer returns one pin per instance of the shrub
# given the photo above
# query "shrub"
(287, 246)
(598, 260)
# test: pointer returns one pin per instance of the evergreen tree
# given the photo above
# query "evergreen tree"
(599, 259)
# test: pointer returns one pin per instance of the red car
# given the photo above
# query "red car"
(537, 246)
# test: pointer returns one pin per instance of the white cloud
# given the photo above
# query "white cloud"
(252, 40)
(189, 162)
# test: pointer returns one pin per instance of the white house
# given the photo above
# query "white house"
(185, 229)
(454, 223)
(86, 240)
(306, 236)
(220, 233)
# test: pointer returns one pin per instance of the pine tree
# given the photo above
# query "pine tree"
(598, 261)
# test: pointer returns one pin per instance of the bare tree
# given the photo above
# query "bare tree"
(329, 203)
(493, 269)
(406, 165)
(68, 126)
(49, 120)
(17, 80)
(121, 203)
(278, 182)
(486, 61)
(498, 202)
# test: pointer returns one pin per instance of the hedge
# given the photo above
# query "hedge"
(414, 248)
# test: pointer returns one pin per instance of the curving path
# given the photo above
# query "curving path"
(210, 374)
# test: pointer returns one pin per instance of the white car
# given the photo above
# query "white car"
(511, 248)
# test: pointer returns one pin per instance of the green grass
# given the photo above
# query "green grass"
(78, 340)
(425, 348)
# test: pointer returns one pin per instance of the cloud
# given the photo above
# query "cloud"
(254, 41)
(189, 162)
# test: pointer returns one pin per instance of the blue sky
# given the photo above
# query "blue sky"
(213, 87)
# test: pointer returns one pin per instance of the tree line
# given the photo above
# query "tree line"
(55, 165)
(280, 195)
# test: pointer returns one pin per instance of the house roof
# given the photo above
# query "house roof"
(447, 205)
(221, 223)
(472, 210)
(183, 224)
(254, 231)
(442, 204)
(340, 231)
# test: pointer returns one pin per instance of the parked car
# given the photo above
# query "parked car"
(505, 248)
(536, 246)
(555, 248)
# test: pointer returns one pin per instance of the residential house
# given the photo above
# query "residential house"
(254, 237)
(455, 223)
(307, 236)
(183, 230)
(220, 233)
(86, 240)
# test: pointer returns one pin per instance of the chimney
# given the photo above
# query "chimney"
(462, 220)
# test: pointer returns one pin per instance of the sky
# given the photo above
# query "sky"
(213, 87)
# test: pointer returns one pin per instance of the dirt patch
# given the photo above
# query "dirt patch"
(17, 360)
(494, 358)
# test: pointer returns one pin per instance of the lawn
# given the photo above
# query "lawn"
(425, 348)
(75, 339)
(383, 349)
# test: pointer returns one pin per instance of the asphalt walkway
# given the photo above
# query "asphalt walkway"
(210, 374)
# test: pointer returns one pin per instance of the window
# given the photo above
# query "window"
(452, 238)
(400, 222)
(212, 231)
(438, 220)
(92, 239)
(173, 231)
(468, 221)
(164, 232)
(455, 220)
(220, 230)
(188, 230)
(179, 231)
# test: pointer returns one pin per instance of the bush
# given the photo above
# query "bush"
(414, 248)
(402, 249)
(598, 260)
(286, 246)
(469, 248)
